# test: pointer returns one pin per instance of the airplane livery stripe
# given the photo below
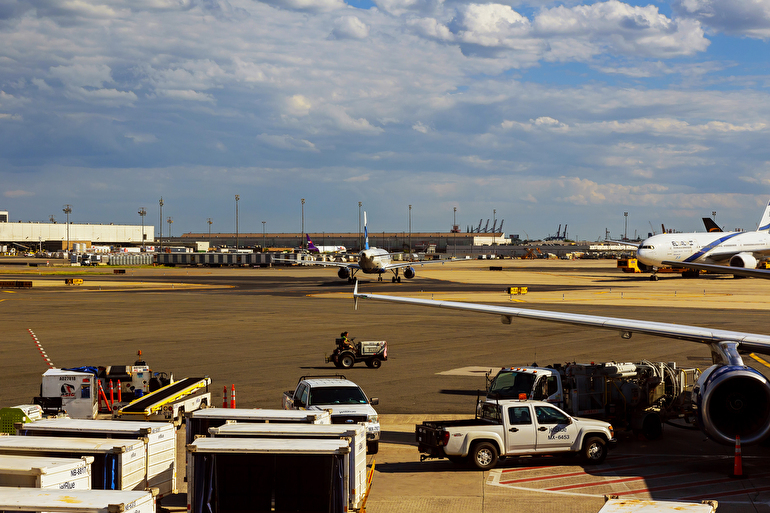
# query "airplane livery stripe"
(709, 247)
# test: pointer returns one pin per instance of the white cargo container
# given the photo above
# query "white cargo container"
(355, 434)
(257, 474)
(76, 390)
(615, 505)
(160, 448)
(199, 421)
(76, 501)
(46, 472)
(117, 465)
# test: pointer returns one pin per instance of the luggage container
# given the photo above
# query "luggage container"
(71, 391)
(199, 422)
(227, 475)
(46, 472)
(355, 434)
(76, 501)
(160, 457)
(21, 413)
(117, 465)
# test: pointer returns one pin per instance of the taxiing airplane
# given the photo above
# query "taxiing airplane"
(731, 398)
(323, 249)
(725, 252)
(371, 260)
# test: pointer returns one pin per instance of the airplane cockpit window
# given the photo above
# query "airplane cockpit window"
(647, 247)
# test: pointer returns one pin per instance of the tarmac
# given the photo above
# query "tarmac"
(261, 329)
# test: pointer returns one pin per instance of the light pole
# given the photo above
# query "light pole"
(714, 215)
(169, 221)
(263, 236)
(410, 232)
(209, 221)
(454, 230)
(494, 222)
(160, 224)
(237, 199)
(67, 210)
(360, 245)
(625, 229)
(301, 239)
(142, 212)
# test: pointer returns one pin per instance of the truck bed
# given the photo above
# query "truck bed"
(427, 433)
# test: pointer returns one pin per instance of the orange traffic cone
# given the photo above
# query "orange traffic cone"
(738, 464)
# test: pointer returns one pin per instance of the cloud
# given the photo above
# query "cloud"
(350, 27)
(308, 5)
(286, 142)
(17, 194)
(750, 18)
(142, 138)
(419, 127)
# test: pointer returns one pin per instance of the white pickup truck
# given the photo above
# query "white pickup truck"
(514, 428)
(347, 402)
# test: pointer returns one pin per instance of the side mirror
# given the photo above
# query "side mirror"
(374, 401)
(298, 403)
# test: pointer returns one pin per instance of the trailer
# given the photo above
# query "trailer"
(76, 501)
(355, 434)
(117, 465)
(160, 437)
(46, 472)
(227, 474)
(169, 403)
(639, 396)
(199, 422)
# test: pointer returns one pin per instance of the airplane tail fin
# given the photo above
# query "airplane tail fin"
(366, 234)
(711, 225)
(310, 245)
(764, 223)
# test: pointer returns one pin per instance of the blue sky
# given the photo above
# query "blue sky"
(545, 112)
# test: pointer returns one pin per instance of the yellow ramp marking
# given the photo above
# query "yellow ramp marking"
(760, 360)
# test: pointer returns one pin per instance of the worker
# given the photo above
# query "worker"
(346, 343)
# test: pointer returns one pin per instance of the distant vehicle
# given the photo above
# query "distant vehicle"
(514, 428)
(347, 402)
(372, 352)
(371, 260)
(324, 249)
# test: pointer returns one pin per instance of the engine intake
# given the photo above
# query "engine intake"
(409, 272)
(743, 260)
(343, 273)
(733, 400)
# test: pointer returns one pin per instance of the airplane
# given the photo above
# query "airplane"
(323, 249)
(731, 398)
(371, 260)
(727, 252)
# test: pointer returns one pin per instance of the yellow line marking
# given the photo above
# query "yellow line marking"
(760, 360)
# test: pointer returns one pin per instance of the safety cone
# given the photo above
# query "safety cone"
(738, 464)
(224, 397)
(232, 396)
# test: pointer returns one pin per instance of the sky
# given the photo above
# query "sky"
(537, 113)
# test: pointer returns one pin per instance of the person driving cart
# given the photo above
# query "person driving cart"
(345, 343)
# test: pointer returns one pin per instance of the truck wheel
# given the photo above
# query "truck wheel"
(373, 447)
(369, 363)
(347, 360)
(376, 363)
(594, 450)
(483, 456)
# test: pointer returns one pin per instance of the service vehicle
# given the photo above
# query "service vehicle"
(346, 400)
(639, 396)
(371, 352)
(170, 402)
(514, 428)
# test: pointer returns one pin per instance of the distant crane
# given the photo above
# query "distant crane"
(501, 225)
(486, 227)
(478, 230)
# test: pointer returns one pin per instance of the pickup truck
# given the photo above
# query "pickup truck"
(347, 402)
(514, 428)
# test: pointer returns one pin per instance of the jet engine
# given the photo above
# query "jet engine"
(743, 260)
(343, 273)
(409, 272)
(733, 400)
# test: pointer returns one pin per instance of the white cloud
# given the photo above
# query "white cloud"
(286, 142)
(142, 138)
(419, 127)
(298, 105)
(750, 18)
(308, 5)
(350, 27)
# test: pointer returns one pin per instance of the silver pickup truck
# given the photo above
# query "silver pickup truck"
(514, 428)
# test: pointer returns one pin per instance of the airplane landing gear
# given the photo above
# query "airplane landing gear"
(379, 277)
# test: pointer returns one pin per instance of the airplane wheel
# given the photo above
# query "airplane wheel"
(379, 278)
(398, 279)
(654, 277)
(393, 280)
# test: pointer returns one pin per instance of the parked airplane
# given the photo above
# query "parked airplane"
(727, 252)
(371, 260)
(731, 398)
(323, 249)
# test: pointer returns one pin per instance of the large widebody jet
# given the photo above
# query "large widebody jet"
(371, 260)
(726, 252)
(731, 398)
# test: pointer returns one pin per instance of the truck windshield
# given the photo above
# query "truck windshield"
(337, 395)
(509, 384)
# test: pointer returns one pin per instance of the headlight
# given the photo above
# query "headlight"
(612, 432)
(373, 418)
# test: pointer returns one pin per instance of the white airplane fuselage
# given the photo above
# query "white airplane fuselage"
(712, 248)
(373, 260)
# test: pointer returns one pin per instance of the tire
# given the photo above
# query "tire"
(376, 363)
(369, 363)
(594, 450)
(458, 460)
(337, 364)
(347, 360)
(373, 447)
(483, 455)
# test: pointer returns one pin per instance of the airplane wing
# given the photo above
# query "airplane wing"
(623, 242)
(722, 269)
(399, 265)
(349, 265)
(747, 342)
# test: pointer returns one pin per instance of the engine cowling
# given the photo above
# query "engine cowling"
(409, 272)
(733, 400)
(343, 273)
(743, 260)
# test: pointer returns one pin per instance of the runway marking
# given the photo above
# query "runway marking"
(760, 360)
(467, 371)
